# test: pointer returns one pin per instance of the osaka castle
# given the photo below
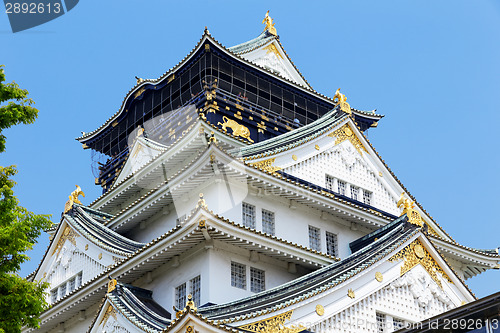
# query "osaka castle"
(236, 198)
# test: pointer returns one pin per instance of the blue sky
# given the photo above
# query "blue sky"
(430, 67)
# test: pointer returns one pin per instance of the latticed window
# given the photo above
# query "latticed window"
(314, 238)
(397, 323)
(257, 280)
(329, 182)
(268, 222)
(72, 284)
(248, 215)
(78, 280)
(380, 317)
(195, 289)
(341, 187)
(354, 192)
(367, 197)
(331, 244)
(238, 275)
(62, 290)
(53, 295)
(180, 296)
(180, 219)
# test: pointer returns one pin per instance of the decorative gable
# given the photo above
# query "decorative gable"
(142, 152)
(272, 57)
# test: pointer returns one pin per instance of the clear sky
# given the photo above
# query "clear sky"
(431, 67)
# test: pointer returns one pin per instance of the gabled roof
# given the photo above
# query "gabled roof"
(137, 306)
(384, 245)
(316, 282)
(236, 52)
(81, 218)
(90, 224)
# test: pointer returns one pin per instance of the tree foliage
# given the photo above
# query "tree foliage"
(21, 301)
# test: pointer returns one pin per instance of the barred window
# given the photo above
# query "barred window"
(53, 295)
(257, 280)
(180, 296)
(380, 317)
(238, 275)
(268, 222)
(314, 238)
(180, 219)
(248, 215)
(62, 290)
(195, 289)
(78, 279)
(331, 244)
(397, 323)
(354, 192)
(341, 187)
(367, 197)
(72, 284)
(329, 181)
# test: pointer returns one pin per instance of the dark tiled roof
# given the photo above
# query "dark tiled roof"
(315, 282)
(89, 222)
(252, 44)
(138, 306)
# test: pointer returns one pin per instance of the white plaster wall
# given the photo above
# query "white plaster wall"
(213, 264)
(345, 163)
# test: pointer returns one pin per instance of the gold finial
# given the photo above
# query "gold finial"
(268, 21)
(73, 198)
(140, 131)
(201, 201)
(413, 216)
(112, 285)
(139, 80)
(341, 100)
(190, 303)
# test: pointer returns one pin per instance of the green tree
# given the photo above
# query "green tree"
(21, 301)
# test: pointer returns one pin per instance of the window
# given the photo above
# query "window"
(367, 197)
(248, 212)
(72, 284)
(62, 290)
(329, 181)
(314, 238)
(78, 280)
(354, 192)
(195, 289)
(268, 222)
(180, 219)
(331, 244)
(257, 280)
(180, 296)
(397, 323)
(341, 187)
(53, 295)
(380, 317)
(238, 275)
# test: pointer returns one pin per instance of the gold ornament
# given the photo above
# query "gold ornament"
(350, 293)
(73, 198)
(268, 21)
(340, 99)
(266, 165)
(415, 254)
(345, 133)
(112, 285)
(238, 130)
(320, 310)
(379, 277)
(294, 157)
(274, 324)
(68, 234)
